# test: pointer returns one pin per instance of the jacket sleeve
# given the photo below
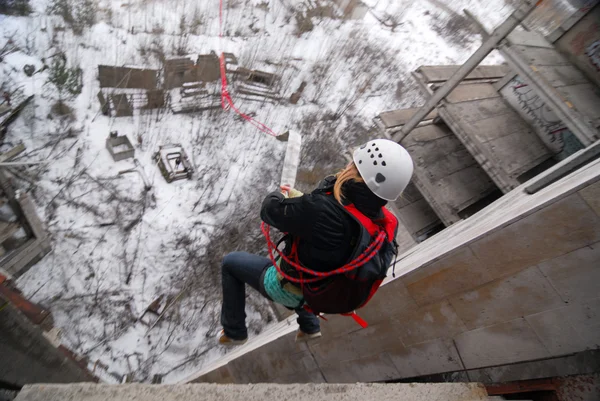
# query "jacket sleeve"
(289, 215)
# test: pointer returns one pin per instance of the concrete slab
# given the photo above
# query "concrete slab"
(524, 293)
(591, 195)
(500, 344)
(580, 363)
(452, 274)
(260, 392)
(563, 330)
(386, 333)
(576, 275)
(566, 225)
(369, 369)
(432, 357)
(333, 350)
(388, 302)
(428, 323)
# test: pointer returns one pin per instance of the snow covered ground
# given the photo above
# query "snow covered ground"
(118, 246)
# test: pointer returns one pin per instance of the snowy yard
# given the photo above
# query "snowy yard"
(118, 246)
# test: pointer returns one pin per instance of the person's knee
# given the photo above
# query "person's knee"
(232, 260)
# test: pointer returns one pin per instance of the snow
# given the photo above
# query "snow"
(116, 246)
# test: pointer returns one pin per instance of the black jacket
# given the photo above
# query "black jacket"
(327, 233)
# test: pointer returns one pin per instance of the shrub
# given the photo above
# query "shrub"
(15, 7)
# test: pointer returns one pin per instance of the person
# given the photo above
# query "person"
(324, 232)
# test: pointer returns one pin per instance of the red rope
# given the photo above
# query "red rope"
(367, 255)
(226, 101)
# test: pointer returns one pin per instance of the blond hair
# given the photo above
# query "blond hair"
(350, 173)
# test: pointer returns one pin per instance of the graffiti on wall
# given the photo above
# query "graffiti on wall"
(593, 53)
(555, 135)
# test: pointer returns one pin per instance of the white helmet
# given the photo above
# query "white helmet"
(385, 166)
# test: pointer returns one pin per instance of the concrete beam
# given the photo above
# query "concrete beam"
(495, 38)
(256, 392)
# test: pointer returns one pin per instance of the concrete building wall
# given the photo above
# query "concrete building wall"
(498, 138)
(581, 44)
(26, 356)
(415, 214)
(445, 172)
(514, 283)
(570, 94)
(552, 131)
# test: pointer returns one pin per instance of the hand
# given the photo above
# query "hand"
(290, 192)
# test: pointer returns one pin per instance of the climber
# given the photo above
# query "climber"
(341, 231)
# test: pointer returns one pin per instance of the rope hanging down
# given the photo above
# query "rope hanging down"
(226, 101)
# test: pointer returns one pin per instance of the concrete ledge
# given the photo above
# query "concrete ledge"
(256, 392)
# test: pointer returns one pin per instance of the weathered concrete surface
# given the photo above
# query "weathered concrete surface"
(414, 213)
(26, 356)
(445, 172)
(551, 130)
(552, 76)
(258, 392)
(581, 42)
(580, 388)
(498, 138)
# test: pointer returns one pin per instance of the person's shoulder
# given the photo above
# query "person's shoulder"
(326, 203)
(326, 183)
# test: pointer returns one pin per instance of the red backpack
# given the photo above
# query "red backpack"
(350, 287)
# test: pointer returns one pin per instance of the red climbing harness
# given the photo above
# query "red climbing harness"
(351, 286)
(292, 259)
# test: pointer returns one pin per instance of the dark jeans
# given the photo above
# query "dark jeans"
(239, 269)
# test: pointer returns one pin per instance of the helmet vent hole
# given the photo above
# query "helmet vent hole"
(376, 149)
(383, 163)
(375, 163)
(379, 178)
(372, 144)
(372, 156)
(360, 162)
(380, 155)
(369, 151)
